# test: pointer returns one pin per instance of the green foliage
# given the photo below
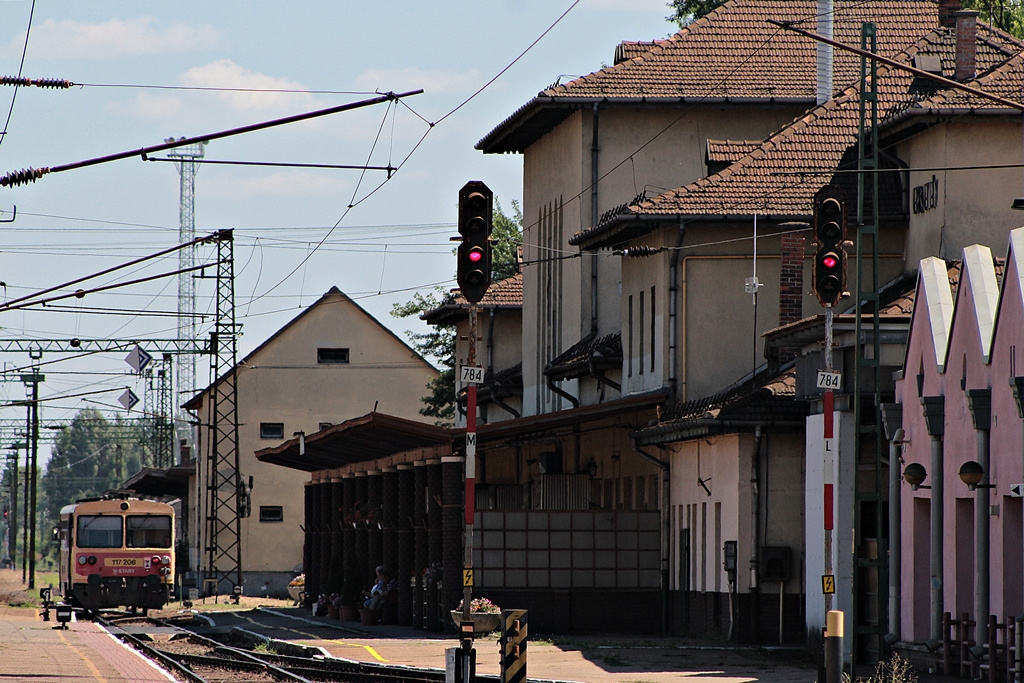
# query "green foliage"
(91, 456)
(438, 345)
(1007, 15)
(687, 11)
(507, 235)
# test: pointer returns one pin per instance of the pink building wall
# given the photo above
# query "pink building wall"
(985, 349)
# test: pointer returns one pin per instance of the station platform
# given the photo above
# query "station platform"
(40, 651)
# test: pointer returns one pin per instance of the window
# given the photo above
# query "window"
(147, 531)
(335, 356)
(325, 425)
(99, 531)
(271, 513)
(629, 351)
(641, 328)
(271, 430)
(652, 329)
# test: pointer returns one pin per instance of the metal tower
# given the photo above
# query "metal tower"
(186, 157)
(225, 494)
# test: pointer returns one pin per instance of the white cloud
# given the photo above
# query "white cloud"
(433, 81)
(69, 39)
(225, 73)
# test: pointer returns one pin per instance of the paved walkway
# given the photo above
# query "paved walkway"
(34, 650)
(608, 659)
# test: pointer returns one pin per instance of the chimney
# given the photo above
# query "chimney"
(791, 284)
(966, 44)
(947, 12)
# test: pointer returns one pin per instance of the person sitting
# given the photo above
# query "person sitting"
(379, 592)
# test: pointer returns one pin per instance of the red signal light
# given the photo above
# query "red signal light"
(475, 255)
(830, 261)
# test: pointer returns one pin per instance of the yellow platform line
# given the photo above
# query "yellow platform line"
(310, 636)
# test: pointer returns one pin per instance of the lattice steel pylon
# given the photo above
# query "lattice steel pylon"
(225, 496)
(186, 157)
(163, 424)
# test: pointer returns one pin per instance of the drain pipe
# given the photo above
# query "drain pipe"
(561, 392)
(665, 523)
(673, 306)
(595, 176)
(755, 527)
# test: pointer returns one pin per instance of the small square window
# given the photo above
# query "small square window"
(271, 430)
(332, 355)
(271, 513)
(325, 425)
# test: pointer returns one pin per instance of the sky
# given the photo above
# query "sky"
(145, 71)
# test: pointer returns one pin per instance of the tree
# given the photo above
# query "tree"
(687, 11)
(439, 344)
(1007, 15)
(91, 456)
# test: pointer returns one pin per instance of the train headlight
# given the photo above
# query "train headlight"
(156, 559)
(92, 559)
(166, 559)
(82, 559)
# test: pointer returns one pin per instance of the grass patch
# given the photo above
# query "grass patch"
(264, 648)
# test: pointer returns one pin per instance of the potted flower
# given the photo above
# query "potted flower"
(296, 587)
(485, 615)
(334, 606)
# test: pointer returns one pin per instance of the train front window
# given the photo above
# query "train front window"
(148, 531)
(99, 531)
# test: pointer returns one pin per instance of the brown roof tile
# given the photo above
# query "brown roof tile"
(733, 53)
(781, 175)
(507, 293)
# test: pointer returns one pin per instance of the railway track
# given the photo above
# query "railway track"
(230, 659)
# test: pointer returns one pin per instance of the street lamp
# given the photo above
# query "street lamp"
(971, 473)
(915, 474)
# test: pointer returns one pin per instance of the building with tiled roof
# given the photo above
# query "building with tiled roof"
(731, 56)
(498, 349)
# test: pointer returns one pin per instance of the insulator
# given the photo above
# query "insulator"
(25, 175)
(52, 83)
(38, 82)
(639, 252)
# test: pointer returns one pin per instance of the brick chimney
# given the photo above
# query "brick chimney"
(791, 278)
(966, 44)
(947, 12)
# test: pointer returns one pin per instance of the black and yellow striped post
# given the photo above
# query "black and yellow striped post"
(513, 646)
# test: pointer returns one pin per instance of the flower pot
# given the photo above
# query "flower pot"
(369, 617)
(483, 622)
(349, 613)
(295, 592)
(332, 612)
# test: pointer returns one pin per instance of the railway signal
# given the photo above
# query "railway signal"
(829, 273)
(474, 255)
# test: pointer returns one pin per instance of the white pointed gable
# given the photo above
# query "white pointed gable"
(1015, 255)
(934, 285)
(979, 274)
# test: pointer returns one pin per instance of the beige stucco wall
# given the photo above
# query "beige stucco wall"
(282, 383)
(973, 206)
(504, 339)
(724, 463)
(640, 150)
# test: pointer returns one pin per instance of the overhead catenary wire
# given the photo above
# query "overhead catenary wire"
(28, 175)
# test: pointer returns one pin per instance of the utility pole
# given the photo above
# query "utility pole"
(32, 381)
(185, 161)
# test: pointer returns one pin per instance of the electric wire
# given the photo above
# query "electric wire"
(21, 68)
